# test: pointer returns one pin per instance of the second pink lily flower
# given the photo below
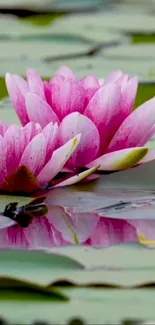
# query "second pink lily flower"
(112, 134)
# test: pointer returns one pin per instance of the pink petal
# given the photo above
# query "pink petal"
(122, 81)
(15, 144)
(3, 152)
(113, 77)
(135, 130)
(74, 227)
(13, 237)
(35, 83)
(21, 83)
(39, 111)
(66, 72)
(111, 232)
(101, 82)
(39, 234)
(34, 154)
(91, 85)
(30, 131)
(57, 237)
(129, 92)
(88, 148)
(144, 227)
(79, 177)
(47, 91)
(17, 98)
(90, 82)
(3, 128)
(58, 160)
(105, 111)
(50, 133)
(67, 96)
(121, 159)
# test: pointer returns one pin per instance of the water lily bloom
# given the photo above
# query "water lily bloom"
(60, 227)
(30, 158)
(113, 135)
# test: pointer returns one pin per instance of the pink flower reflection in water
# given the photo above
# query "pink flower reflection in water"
(65, 228)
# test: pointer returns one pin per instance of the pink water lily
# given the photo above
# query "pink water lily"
(30, 157)
(62, 228)
(113, 135)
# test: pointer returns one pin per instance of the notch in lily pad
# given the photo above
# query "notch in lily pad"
(25, 214)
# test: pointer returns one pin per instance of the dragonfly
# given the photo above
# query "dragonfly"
(25, 214)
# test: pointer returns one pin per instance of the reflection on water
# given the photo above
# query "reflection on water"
(122, 204)
(102, 218)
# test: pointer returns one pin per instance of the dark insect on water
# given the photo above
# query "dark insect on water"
(25, 214)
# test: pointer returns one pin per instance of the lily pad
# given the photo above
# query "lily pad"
(39, 50)
(131, 52)
(23, 4)
(20, 65)
(127, 256)
(14, 28)
(89, 27)
(111, 307)
(36, 266)
(141, 23)
(115, 266)
(71, 5)
(101, 66)
(124, 266)
(7, 113)
(127, 195)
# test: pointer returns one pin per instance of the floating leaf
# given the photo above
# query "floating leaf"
(41, 50)
(35, 266)
(11, 289)
(13, 28)
(32, 272)
(131, 52)
(116, 21)
(20, 4)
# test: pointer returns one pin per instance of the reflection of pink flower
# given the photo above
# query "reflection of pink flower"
(65, 228)
(112, 135)
(29, 157)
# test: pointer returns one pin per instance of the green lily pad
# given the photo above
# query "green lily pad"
(127, 256)
(98, 65)
(109, 307)
(7, 113)
(71, 5)
(20, 65)
(12, 289)
(101, 66)
(131, 52)
(129, 23)
(33, 272)
(21, 29)
(36, 266)
(22, 4)
(88, 27)
(39, 50)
